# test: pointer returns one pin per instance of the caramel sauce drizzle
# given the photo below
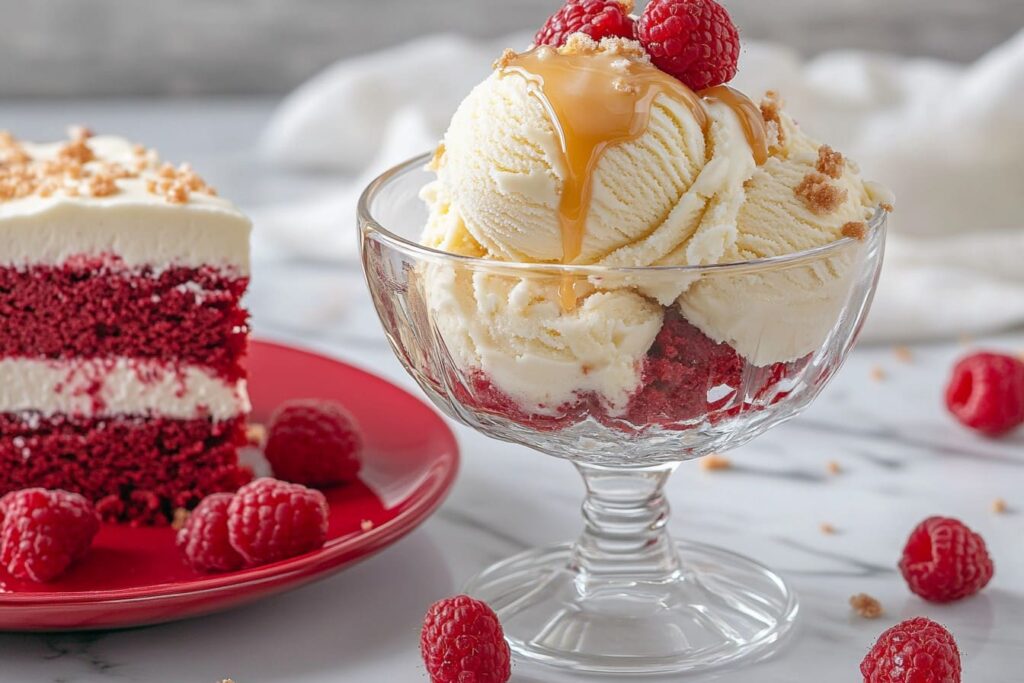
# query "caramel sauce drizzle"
(749, 115)
(598, 100)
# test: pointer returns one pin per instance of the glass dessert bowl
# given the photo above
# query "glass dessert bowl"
(583, 363)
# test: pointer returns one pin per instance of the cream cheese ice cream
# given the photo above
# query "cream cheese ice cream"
(588, 154)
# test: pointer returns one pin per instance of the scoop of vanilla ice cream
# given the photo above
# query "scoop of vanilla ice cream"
(669, 196)
(513, 329)
(782, 314)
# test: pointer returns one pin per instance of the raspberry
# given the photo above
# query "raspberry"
(597, 18)
(315, 443)
(944, 560)
(204, 538)
(914, 651)
(271, 520)
(462, 641)
(693, 40)
(45, 532)
(986, 393)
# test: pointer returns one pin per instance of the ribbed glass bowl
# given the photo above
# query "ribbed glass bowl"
(625, 597)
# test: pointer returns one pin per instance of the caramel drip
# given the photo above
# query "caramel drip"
(749, 115)
(595, 101)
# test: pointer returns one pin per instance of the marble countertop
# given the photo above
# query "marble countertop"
(902, 459)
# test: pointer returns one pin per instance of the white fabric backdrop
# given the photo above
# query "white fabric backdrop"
(947, 138)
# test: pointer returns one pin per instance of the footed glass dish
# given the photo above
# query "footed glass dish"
(625, 597)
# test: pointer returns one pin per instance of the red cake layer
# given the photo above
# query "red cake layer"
(135, 468)
(94, 308)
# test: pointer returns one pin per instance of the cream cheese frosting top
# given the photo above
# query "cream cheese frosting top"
(105, 197)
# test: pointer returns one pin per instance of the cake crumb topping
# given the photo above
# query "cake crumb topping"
(830, 162)
(75, 170)
(771, 112)
(866, 606)
(857, 230)
(820, 195)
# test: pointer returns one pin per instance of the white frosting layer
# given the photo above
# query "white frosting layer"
(117, 386)
(134, 224)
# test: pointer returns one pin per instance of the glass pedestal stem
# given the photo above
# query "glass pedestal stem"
(625, 537)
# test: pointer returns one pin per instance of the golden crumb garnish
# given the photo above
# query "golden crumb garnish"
(818, 194)
(78, 150)
(887, 207)
(827, 529)
(366, 524)
(866, 606)
(857, 230)
(830, 162)
(903, 354)
(878, 373)
(177, 192)
(1000, 507)
(256, 435)
(714, 462)
(102, 185)
(226, 680)
(75, 170)
(181, 516)
(834, 467)
(771, 112)
(502, 62)
(79, 132)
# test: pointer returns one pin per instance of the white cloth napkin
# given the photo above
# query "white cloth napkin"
(947, 138)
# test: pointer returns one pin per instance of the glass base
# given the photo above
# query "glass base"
(720, 609)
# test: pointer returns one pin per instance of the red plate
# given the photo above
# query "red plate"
(135, 576)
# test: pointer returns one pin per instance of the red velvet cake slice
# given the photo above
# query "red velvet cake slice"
(123, 335)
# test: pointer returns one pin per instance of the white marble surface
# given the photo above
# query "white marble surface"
(903, 459)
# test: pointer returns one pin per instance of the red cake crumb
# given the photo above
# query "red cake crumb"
(134, 469)
(684, 365)
(92, 308)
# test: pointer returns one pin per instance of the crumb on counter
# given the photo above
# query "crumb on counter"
(715, 462)
(866, 606)
(903, 354)
(878, 373)
(834, 467)
(1000, 507)
(828, 529)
